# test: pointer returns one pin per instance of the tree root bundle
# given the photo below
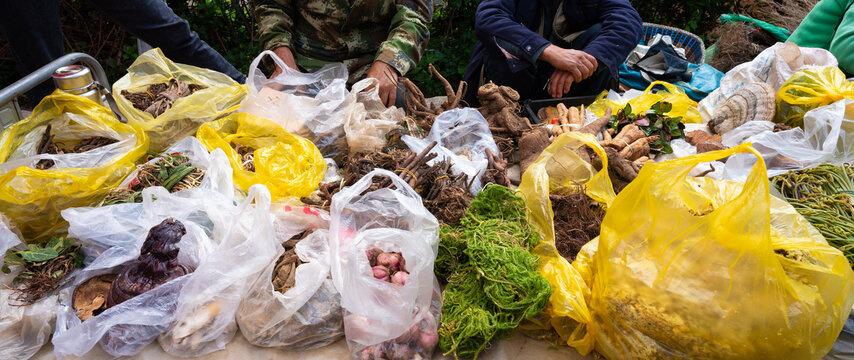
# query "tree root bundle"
(48, 146)
(496, 170)
(424, 113)
(446, 195)
(577, 220)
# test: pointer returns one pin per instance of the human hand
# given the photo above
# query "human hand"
(284, 53)
(560, 83)
(387, 76)
(578, 63)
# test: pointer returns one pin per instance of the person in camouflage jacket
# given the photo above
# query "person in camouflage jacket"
(381, 39)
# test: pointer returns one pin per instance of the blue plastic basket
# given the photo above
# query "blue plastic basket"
(695, 49)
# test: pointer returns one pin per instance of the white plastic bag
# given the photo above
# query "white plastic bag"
(312, 105)
(110, 237)
(827, 137)
(394, 221)
(368, 120)
(8, 237)
(205, 316)
(215, 165)
(462, 137)
(738, 135)
(773, 66)
(305, 317)
(23, 329)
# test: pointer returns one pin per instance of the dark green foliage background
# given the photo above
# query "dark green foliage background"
(229, 27)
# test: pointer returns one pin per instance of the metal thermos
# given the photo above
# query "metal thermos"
(77, 80)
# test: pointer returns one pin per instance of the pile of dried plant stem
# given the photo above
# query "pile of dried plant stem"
(48, 146)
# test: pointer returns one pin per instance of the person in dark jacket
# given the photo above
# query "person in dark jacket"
(551, 48)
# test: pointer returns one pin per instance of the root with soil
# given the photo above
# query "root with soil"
(577, 220)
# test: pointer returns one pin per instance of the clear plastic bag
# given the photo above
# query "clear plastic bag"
(221, 96)
(462, 137)
(305, 317)
(394, 221)
(311, 105)
(368, 120)
(218, 174)
(24, 329)
(205, 314)
(113, 235)
(32, 198)
(773, 66)
(827, 137)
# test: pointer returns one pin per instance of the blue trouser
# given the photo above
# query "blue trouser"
(532, 83)
(34, 32)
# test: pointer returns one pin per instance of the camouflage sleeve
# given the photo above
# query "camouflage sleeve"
(408, 35)
(275, 23)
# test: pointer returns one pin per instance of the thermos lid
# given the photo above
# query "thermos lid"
(72, 77)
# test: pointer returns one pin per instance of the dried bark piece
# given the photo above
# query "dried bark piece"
(90, 297)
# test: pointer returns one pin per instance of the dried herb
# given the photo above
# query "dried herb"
(158, 98)
(172, 171)
(48, 146)
(45, 267)
(246, 155)
(492, 279)
(284, 274)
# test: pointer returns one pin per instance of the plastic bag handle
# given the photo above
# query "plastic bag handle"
(363, 84)
(758, 172)
(250, 79)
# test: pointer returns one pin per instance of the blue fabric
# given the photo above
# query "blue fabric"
(704, 80)
(515, 23)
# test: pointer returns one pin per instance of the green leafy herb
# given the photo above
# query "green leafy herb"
(43, 267)
(653, 122)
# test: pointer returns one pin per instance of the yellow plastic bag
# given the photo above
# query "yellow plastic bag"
(287, 164)
(682, 105)
(699, 268)
(809, 89)
(33, 198)
(557, 170)
(221, 96)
